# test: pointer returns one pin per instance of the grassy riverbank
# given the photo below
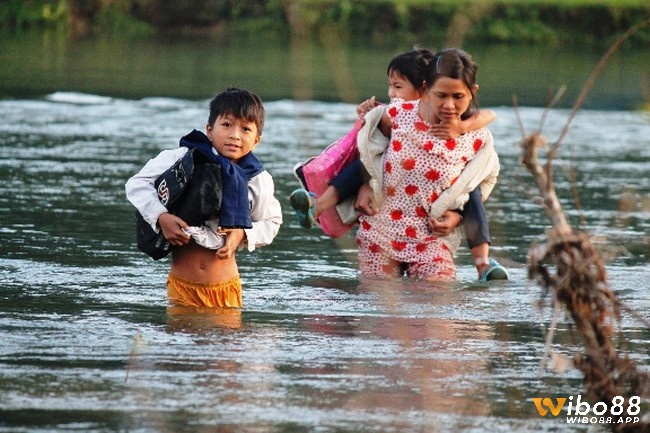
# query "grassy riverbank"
(379, 22)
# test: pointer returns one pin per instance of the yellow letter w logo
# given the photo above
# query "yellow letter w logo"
(555, 409)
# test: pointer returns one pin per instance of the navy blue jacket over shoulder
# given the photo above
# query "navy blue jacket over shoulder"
(235, 212)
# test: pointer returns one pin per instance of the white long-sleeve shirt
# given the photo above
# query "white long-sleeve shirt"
(265, 210)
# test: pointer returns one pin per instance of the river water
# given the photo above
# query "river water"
(89, 345)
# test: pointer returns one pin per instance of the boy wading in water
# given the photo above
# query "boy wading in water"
(204, 271)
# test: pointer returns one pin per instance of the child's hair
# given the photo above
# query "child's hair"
(457, 64)
(412, 65)
(240, 103)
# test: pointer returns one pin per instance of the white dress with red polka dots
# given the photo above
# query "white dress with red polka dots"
(417, 168)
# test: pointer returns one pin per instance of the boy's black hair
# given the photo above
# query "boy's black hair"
(240, 103)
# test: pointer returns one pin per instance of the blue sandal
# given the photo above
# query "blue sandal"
(493, 271)
(304, 204)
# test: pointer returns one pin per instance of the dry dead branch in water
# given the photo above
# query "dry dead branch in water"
(570, 268)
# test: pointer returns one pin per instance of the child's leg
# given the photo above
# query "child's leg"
(478, 237)
(476, 228)
(349, 180)
(346, 184)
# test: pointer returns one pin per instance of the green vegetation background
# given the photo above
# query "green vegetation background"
(372, 22)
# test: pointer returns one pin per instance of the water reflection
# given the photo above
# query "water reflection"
(424, 365)
(326, 68)
(195, 320)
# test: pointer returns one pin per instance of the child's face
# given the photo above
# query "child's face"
(450, 98)
(233, 137)
(400, 87)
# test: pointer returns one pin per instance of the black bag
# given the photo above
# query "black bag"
(190, 189)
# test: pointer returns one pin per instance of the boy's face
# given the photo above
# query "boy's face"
(233, 137)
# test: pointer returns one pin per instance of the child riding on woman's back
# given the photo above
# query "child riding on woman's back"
(407, 80)
(418, 175)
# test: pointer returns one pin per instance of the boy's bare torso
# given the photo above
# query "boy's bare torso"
(195, 263)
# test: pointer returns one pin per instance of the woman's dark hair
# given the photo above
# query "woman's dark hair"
(240, 103)
(412, 65)
(457, 64)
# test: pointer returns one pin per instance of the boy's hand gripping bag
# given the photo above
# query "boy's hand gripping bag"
(317, 172)
(191, 190)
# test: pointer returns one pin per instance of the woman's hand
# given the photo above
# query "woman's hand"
(444, 225)
(365, 202)
(172, 228)
(234, 237)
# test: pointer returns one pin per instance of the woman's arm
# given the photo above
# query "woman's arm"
(482, 170)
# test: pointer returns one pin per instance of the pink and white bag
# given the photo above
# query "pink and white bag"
(318, 171)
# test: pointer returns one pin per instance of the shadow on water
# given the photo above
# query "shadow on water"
(89, 343)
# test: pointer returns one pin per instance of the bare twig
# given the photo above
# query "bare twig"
(594, 75)
(569, 266)
(552, 103)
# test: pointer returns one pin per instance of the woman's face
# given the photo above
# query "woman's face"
(400, 87)
(449, 98)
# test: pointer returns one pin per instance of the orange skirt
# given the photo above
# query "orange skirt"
(225, 294)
